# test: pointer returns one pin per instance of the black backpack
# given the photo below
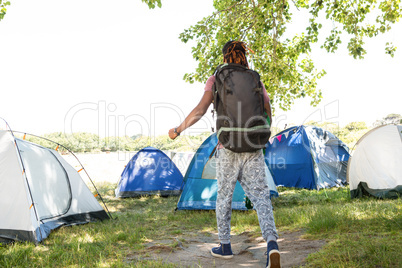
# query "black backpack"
(239, 103)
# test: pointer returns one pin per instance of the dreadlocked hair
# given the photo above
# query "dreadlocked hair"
(235, 52)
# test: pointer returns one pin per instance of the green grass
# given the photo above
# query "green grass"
(358, 233)
(363, 232)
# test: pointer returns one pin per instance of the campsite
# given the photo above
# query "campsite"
(317, 228)
(131, 131)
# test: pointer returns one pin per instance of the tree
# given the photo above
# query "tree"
(283, 61)
(329, 126)
(352, 132)
(389, 119)
(356, 126)
(3, 8)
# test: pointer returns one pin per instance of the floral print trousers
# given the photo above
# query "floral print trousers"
(249, 170)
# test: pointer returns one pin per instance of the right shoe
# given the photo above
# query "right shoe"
(273, 255)
(224, 251)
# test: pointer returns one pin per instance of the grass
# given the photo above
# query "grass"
(358, 233)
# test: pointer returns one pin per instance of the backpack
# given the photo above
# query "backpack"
(239, 103)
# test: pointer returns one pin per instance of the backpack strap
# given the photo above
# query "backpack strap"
(238, 129)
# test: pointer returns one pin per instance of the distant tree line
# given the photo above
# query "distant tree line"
(82, 142)
(349, 134)
(353, 131)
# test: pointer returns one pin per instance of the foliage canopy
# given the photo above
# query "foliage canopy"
(282, 59)
(3, 9)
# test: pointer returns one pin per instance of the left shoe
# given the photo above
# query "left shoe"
(224, 251)
(274, 257)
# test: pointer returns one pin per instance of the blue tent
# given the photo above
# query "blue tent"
(149, 172)
(200, 185)
(307, 157)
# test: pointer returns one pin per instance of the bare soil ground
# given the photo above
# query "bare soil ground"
(195, 251)
(248, 251)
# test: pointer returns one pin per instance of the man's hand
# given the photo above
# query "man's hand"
(172, 134)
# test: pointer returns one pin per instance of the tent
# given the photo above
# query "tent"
(149, 172)
(307, 157)
(39, 192)
(200, 185)
(376, 165)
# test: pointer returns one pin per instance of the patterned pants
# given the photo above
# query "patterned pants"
(249, 170)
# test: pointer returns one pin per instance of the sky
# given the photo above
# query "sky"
(116, 68)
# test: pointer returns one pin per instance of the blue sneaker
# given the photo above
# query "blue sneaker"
(274, 257)
(223, 251)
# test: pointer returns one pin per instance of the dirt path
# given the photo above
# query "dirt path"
(195, 251)
(248, 251)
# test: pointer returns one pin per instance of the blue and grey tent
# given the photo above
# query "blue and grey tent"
(200, 185)
(307, 157)
(150, 172)
(40, 192)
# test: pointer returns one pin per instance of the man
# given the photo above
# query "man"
(246, 167)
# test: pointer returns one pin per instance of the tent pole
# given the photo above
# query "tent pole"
(26, 179)
(96, 189)
(29, 189)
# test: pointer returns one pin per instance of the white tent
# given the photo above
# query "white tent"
(376, 165)
(40, 191)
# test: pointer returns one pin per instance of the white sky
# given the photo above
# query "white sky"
(116, 68)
